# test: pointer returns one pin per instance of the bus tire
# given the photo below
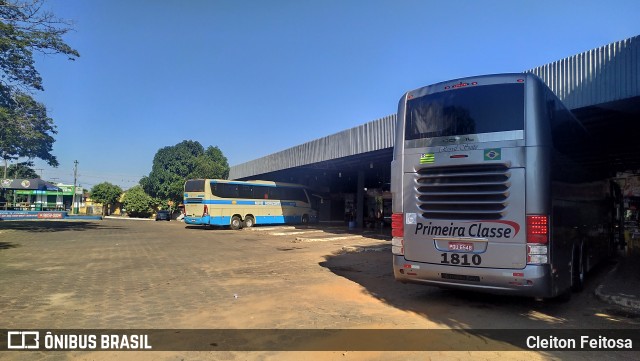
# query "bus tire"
(236, 223)
(305, 219)
(249, 221)
(577, 270)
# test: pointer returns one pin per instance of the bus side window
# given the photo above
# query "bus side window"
(245, 192)
(274, 193)
(567, 133)
(260, 192)
(225, 190)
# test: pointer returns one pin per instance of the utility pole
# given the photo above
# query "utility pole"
(4, 191)
(74, 209)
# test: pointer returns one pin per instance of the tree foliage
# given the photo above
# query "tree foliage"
(22, 170)
(173, 165)
(26, 131)
(105, 193)
(26, 28)
(137, 202)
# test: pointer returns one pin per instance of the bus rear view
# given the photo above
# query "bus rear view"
(471, 183)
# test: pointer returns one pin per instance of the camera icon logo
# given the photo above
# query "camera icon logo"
(23, 340)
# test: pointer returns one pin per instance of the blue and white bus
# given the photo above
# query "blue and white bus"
(240, 204)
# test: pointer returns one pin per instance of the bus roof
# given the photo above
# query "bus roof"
(472, 80)
(255, 182)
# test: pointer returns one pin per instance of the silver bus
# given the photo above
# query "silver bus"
(491, 192)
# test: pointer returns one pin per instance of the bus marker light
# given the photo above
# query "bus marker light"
(518, 274)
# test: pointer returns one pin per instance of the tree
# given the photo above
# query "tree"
(22, 170)
(211, 164)
(105, 193)
(25, 28)
(173, 165)
(26, 131)
(137, 202)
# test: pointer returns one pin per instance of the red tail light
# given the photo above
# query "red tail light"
(538, 229)
(397, 233)
(397, 225)
(206, 211)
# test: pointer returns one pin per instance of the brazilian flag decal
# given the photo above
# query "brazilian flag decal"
(492, 154)
(427, 158)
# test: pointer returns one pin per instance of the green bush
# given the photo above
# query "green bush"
(138, 203)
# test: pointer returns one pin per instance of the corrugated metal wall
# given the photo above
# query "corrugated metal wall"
(601, 75)
(369, 137)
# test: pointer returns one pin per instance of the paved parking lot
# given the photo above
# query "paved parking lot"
(122, 274)
(128, 274)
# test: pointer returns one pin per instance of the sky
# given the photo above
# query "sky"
(255, 77)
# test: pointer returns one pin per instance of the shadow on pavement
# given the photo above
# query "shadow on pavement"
(54, 226)
(7, 245)
(383, 233)
(207, 228)
(478, 311)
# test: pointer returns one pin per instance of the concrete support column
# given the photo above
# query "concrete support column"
(360, 200)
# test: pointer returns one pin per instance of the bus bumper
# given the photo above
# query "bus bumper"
(208, 220)
(196, 220)
(533, 280)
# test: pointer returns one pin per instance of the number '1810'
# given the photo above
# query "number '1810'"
(461, 259)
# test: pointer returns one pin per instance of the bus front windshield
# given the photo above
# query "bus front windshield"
(462, 111)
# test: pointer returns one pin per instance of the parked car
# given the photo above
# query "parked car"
(163, 216)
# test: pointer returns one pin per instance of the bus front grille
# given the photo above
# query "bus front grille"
(474, 192)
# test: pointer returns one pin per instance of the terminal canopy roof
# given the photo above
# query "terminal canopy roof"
(28, 184)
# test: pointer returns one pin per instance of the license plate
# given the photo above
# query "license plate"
(461, 246)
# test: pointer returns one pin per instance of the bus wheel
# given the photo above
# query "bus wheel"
(577, 271)
(249, 221)
(305, 219)
(236, 223)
